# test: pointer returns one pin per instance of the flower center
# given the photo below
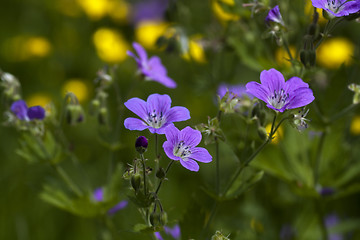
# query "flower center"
(182, 150)
(155, 120)
(333, 5)
(279, 99)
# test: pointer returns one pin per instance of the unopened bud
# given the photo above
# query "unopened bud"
(160, 173)
(74, 114)
(141, 144)
(94, 106)
(103, 116)
(262, 133)
(135, 181)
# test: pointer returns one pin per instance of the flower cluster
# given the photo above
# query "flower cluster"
(22, 112)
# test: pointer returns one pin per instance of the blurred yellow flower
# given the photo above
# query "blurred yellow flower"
(196, 51)
(78, 87)
(110, 45)
(95, 9)
(355, 125)
(277, 136)
(334, 52)
(221, 14)
(22, 48)
(282, 57)
(118, 10)
(147, 33)
(41, 99)
(309, 10)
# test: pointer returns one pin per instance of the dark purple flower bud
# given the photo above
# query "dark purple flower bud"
(98, 194)
(36, 112)
(20, 109)
(327, 191)
(118, 207)
(274, 15)
(141, 144)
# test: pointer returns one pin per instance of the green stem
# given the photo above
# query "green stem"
(321, 218)
(318, 158)
(144, 173)
(67, 180)
(166, 171)
(342, 112)
(217, 166)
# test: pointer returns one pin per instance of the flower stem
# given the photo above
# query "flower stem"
(318, 158)
(321, 217)
(144, 173)
(166, 171)
(217, 166)
(343, 112)
(67, 179)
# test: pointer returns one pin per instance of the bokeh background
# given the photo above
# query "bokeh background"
(57, 46)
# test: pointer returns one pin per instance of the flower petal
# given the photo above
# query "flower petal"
(165, 80)
(19, 108)
(190, 164)
(177, 114)
(158, 103)
(140, 51)
(272, 79)
(156, 66)
(135, 124)
(302, 97)
(190, 136)
(118, 207)
(169, 151)
(172, 135)
(348, 8)
(36, 112)
(200, 154)
(293, 84)
(137, 106)
(319, 3)
(257, 90)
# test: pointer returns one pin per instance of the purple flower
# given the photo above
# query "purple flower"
(338, 8)
(149, 10)
(234, 91)
(22, 112)
(331, 221)
(155, 113)
(151, 68)
(181, 146)
(98, 194)
(174, 232)
(274, 15)
(326, 191)
(278, 94)
(118, 207)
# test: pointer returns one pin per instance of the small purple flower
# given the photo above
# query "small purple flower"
(174, 232)
(158, 236)
(234, 91)
(278, 94)
(156, 113)
(331, 221)
(22, 112)
(181, 146)
(274, 15)
(151, 68)
(98, 194)
(149, 10)
(326, 191)
(338, 8)
(118, 207)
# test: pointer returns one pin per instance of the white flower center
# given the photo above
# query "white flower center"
(333, 5)
(279, 99)
(182, 150)
(155, 120)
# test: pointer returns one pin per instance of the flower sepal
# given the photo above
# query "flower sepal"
(211, 131)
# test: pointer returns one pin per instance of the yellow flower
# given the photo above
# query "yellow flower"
(355, 125)
(95, 9)
(221, 14)
(196, 51)
(78, 87)
(110, 45)
(36, 99)
(282, 57)
(334, 52)
(38, 46)
(147, 33)
(277, 136)
(309, 10)
(118, 10)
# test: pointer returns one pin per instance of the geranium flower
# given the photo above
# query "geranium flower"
(151, 68)
(338, 8)
(274, 15)
(181, 146)
(22, 112)
(278, 94)
(174, 232)
(155, 113)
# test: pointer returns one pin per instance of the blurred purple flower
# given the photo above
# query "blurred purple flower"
(98, 195)
(155, 113)
(326, 191)
(331, 221)
(278, 94)
(181, 146)
(338, 8)
(149, 10)
(151, 68)
(274, 15)
(22, 112)
(118, 207)
(174, 232)
(287, 232)
(238, 90)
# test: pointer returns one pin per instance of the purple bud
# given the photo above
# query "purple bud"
(19, 108)
(98, 194)
(36, 112)
(141, 144)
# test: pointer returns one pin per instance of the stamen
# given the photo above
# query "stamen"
(182, 150)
